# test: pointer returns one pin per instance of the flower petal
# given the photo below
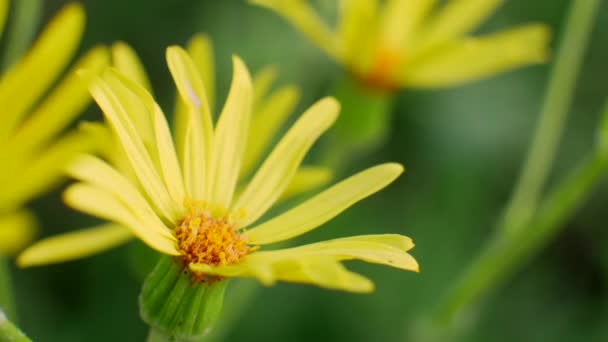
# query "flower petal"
(278, 169)
(326, 273)
(198, 142)
(16, 230)
(98, 173)
(102, 204)
(324, 206)
(67, 100)
(268, 267)
(385, 249)
(42, 170)
(75, 245)
(230, 137)
(456, 18)
(401, 22)
(266, 122)
(200, 50)
(303, 17)
(306, 179)
(262, 81)
(357, 30)
(475, 58)
(140, 160)
(169, 164)
(45, 60)
(125, 59)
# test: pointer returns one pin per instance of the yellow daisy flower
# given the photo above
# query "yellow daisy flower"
(190, 209)
(270, 111)
(416, 43)
(34, 113)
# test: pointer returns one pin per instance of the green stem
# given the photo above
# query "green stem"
(24, 21)
(362, 125)
(6, 289)
(514, 243)
(506, 252)
(9, 332)
(559, 95)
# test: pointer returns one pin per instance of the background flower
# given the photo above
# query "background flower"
(416, 43)
(34, 115)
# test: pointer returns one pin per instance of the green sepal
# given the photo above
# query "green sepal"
(176, 306)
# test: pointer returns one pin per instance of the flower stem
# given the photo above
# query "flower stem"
(6, 289)
(527, 226)
(506, 252)
(9, 332)
(362, 126)
(542, 151)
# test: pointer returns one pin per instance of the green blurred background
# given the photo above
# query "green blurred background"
(462, 149)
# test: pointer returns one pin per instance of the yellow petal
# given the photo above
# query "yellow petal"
(269, 267)
(303, 17)
(41, 173)
(200, 50)
(102, 204)
(31, 77)
(266, 122)
(106, 143)
(108, 99)
(262, 81)
(324, 206)
(278, 169)
(63, 104)
(400, 21)
(169, 164)
(326, 273)
(307, 178)
(476, 58)
(386, 249)
(16, 230)
(198, 143)
(95, 171)
(357, 28)
(75, 245)
(230, 137)
(125, 59)
(455, 19)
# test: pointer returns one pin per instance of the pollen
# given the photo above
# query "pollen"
(207, 235)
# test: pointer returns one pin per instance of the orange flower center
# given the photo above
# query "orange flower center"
(204, 237)
(381, 72)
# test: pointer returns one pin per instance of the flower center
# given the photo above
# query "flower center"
(205, 236)
(380, 75)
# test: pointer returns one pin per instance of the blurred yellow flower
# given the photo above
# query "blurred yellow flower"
(189, 208)
(34, 113)
(416, 43)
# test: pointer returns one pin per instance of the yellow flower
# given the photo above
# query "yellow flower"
(270, 112)
(412, 43)
(189, 208)
(34, 114)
